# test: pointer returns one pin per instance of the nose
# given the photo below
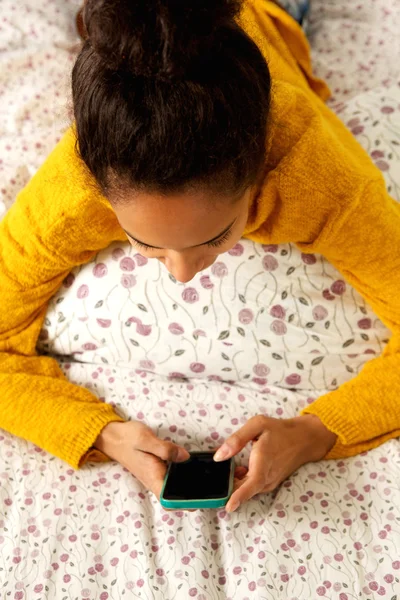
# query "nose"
(183, 268)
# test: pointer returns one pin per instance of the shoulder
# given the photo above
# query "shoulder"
(308, 143)
(67, 185)
(61, 204)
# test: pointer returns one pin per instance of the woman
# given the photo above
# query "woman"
(193, 129)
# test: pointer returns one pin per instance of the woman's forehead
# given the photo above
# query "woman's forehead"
(183, 221)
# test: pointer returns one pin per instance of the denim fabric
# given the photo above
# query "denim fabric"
(298, 9)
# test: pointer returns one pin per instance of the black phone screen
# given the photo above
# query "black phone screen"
(198, 477)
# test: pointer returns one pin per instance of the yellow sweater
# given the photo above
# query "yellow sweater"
(321, 191)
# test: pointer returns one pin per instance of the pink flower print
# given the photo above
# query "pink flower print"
(141, 260)
(354, 125)
(197, 367)
(377, 154)
(206, 282)
(382, 165)
(140, 328)
(357, 130)
(364, 323)
(327, 295)
(89, 346)
(308, 259)
(338, 287)
(199, 332)
(117, 253)
(147, 364)
(100, 270)
(219, 269)
(319, 312)
(83, 291)
(270, 248)
(176, 375)
(259, 380)
(246, 316)
(270, 263)
(387, 110)
(293, 379)
(237, 250)
(176, 329)
(128, 281)
(353, 122)
(69, 280)
(127, 264)
(104, 322)
(278, 327)
(261, 370)
(278, 312)
(190, 295)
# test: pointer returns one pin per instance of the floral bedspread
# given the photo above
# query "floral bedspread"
(264, 330)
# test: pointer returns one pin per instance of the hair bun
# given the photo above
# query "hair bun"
(156, 38)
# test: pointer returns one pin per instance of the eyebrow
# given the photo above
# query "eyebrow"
(202, 244)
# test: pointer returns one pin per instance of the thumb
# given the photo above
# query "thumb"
(165, 449)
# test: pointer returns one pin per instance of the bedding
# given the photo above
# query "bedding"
(264, 330)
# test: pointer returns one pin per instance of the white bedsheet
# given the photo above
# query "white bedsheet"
(332, 530)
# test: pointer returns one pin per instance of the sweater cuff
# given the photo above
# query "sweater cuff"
(79, 449)
(346, 424)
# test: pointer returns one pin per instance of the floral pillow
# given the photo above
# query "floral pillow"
(261, 315)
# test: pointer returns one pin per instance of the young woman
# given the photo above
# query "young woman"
(194, 127)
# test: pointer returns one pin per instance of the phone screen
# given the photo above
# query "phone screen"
(198, 477)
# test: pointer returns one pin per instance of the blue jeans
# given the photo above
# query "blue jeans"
(298, 9)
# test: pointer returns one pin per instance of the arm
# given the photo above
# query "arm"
(58, 221)
(326, 195)
(364, 244)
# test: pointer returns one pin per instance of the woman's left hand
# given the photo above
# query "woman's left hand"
(280, 447)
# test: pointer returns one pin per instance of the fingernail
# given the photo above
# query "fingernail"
(221, 453)
(234, 506)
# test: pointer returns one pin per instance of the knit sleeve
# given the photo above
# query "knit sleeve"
(328, 197)
(57, 222)
(363, 243)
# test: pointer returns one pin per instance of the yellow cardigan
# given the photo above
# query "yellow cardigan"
(321, 191)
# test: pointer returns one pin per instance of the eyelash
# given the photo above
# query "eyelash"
(221, 240)
(142, 246)
(215, 244)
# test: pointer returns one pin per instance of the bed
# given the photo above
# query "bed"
(264, 330)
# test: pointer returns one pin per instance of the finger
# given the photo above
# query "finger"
(152, 475)
(150, 470)
(236, 485)
(256, 478)
(238, 440)
(245, 491)
(147, 441)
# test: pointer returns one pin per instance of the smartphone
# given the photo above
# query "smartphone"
(199, 482)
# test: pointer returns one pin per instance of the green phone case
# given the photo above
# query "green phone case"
(198, 502)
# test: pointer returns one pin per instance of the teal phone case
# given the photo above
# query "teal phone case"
(198, 502)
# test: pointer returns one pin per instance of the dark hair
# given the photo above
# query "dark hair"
(170, 94)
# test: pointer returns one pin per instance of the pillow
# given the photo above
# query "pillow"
(261, 315)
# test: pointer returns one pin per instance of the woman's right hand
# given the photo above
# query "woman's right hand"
(134, 445)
